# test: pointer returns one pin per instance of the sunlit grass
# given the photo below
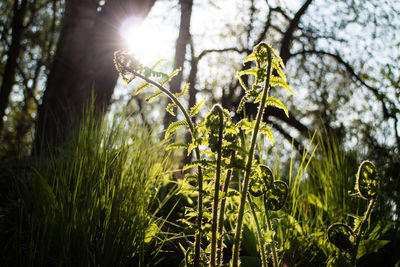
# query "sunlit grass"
(90, 203)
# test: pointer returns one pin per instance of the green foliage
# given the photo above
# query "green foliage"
(225, 150)
(222, 151)
(341, 235)
(259, 56)
(92, 202)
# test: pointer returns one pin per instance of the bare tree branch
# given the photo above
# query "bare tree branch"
(380, 97)
(293, 25)
(229, 49)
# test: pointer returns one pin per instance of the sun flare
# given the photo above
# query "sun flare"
(144, 39)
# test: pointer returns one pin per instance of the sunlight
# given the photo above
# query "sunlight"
(144, 39)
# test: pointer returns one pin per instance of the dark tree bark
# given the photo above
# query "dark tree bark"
(293, 26)
(83, 65)
(180, 51)
(12, 56)
(106, 40)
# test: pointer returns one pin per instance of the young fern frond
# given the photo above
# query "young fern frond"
(129, 68)
(125, 62)
(343, 236)
(266, 61)
(226, 151)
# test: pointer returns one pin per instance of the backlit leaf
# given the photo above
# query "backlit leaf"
(273, 101)
(196, 108)
(174, 126)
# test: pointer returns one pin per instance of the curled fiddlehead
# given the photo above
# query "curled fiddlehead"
(276, 196)
(261, 180)
(367, 180)
(342, 236)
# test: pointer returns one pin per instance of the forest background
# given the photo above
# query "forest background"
(341, 61)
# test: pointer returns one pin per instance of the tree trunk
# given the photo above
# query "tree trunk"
(106, 39)
(12, 56)
(180, 51)
(83, 65)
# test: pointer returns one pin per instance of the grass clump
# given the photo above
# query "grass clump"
(90, 202)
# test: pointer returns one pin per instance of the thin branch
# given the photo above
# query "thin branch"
(287, 136)
(293, 25)
(229, 49)
(380, 97)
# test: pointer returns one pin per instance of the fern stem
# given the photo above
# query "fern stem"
(361, 229)
(269, 224)
(174, 99)
(260, 238)
(216, 188)
(245, 187)
(222, 211)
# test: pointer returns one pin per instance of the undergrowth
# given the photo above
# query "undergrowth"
(105, 198)
(93, 202)
(224, 150)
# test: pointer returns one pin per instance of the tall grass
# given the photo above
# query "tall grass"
(321, 193)
(92, 202)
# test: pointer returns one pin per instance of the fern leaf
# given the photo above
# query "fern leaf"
(249, 94)
(141, 87)
(264, 129)
(246, 125)
(169, 77)
(191, 165)
(278, 58)
(170, 108)
(192, 146)
(274, 81)
(153, 96)
(273, 101)
(176, 146)
(196, 108)
(251, 57)
(241, 82)
(174, 126)
(159, 62)
(184, 91)
(236, 148)
(243, 102)
(277, 67)
(248, 72)
(203, 163)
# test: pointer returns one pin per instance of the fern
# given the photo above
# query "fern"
(222, 149)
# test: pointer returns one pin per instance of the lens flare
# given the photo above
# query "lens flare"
(144, 39)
